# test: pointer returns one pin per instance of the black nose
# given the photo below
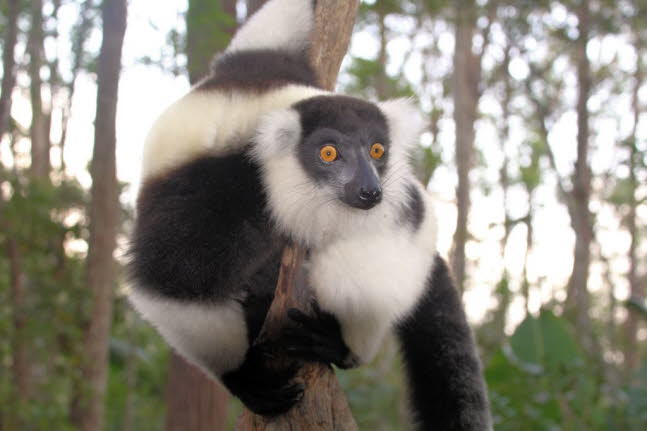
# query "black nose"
(370, 195)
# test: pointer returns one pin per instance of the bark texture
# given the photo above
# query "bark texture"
(466, 79)
(8, 63)
(104, 219)
(636, 291)
(578, 300)
(333, 29)
(324, 405)
(39, 131)
(20, 368)
(193, 401)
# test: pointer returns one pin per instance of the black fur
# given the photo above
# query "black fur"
(263, 389)
(446, 384)
(201, 230)
(316, 337)
(259, 70)
(344, 114)
(413, 213)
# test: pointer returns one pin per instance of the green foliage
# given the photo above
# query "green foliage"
(364, 75)
(207, 34)
(138, 367)
(52, 279)
(541, 380)
(376, 393)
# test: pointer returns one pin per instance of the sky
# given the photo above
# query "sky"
(145, 91)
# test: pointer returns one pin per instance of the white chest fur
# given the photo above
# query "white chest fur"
(371, 281)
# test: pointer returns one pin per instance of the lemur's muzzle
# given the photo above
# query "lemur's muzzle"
(364, 190)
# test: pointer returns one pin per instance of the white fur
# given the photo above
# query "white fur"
(213, 336)
(279, 24)
(279, 132)
(214, 122)
(373, 279)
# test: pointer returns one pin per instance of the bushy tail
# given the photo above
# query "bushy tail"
(283, 25)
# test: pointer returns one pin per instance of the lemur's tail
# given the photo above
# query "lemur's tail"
(279, 25)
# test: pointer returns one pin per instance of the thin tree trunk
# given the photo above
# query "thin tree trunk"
(504, 180)
(466, 81)
(20, 364)
(194, 401)
(104, 219)
(8, 63)
(578, 301)
(20, 368)
(635, 289)
(39, 131)
(324, 405)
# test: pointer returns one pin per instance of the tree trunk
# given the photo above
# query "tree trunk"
(8, 63)
(39, 131)
(466, 80)
(20, 367)
(578, 301)
(193, 401)
(104, 219)
(324, 405)
(635, 289)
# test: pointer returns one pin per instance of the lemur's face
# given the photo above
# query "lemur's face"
(344, 147)
(334, 165)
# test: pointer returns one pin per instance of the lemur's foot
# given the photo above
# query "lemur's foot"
(264, 391)
(316, 338)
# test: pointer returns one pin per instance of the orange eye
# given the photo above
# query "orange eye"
(377, 151)
(328, 154)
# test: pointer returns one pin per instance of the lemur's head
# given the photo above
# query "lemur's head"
(333, 164)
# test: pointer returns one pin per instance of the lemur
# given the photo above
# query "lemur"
(256, 155)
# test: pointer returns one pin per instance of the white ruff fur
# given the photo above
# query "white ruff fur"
(214, 337)
(211, 122)
(366, 267)
(279, 24)
(372, 279)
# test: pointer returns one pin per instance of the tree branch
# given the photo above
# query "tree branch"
(324, 405)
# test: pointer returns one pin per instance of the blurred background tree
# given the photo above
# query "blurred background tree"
(536, 152)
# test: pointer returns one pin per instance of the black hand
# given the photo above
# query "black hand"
(316, 338)
(264, 391)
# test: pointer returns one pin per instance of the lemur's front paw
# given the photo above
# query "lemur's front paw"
(316, 338)
(264, 391)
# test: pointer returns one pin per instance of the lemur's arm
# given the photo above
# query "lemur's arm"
(447, 389)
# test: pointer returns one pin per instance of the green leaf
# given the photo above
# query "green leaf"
(544, 343)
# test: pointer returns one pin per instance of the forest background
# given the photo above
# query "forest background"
(536, 153)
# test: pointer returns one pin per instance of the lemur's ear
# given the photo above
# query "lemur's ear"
(278, 133)
(405, 120)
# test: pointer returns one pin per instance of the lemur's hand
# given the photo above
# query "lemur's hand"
(316, 338)
(263, 390)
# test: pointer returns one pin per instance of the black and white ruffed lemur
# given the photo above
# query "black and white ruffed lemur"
(256, 155)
